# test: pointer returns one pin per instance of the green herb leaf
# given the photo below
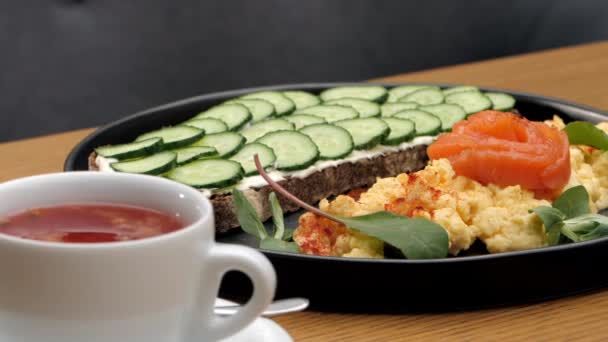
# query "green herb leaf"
(585, 223)
(570, 217)
(247, 216)
(554, 233)
(568, 233)
(277, 216)
(279, 245)
(549, 215)
(598, 232)
(416, 238)
(589, 226)
(251, 223)
(573, 202)
(288, 235)
(553, 220)
(585, 133)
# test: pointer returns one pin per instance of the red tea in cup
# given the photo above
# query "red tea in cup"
(89, 223)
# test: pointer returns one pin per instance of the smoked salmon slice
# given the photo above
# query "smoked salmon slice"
(506, 149)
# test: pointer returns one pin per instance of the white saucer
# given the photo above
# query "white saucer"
(261, 330)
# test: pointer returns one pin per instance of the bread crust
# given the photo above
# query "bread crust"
(324, 183)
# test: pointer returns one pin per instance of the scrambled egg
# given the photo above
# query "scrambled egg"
(465, 208)
(589, 168)
(320, 236)
(468, 211)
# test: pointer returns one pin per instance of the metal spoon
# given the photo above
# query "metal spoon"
(278, 307)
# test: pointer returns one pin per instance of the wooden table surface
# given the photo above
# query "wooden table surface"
(578, 74)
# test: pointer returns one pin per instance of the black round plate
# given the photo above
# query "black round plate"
(391, 285)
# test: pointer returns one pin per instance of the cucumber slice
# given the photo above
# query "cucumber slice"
(370, 93)
(294, 150)
(131, 150)
(174, 137)
(470, 101)
(423, 97)
(401, 130)
(424, 122)
(330, 113)
(394, 94)
(366, 132)
(334, 142)
(388, 109)
(152, 165)
(303, 120)
(459, 89)
(234, 115)
(259, 109)
(188, 154)
(365, 108)
(501, 101)
(257, 130)
(282, 105)
(209, 125)
(245, 157)
(226, 143)
(302, 99)
(449, 114)
(209, 173)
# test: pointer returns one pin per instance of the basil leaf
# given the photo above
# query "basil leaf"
(568, 233)
(573, 202)
(553, 220)
(549, 215)
(585, 133)
(585, 223)
(599, 231)
(554, 234)
(279, 245)
(277, 216)
(247, 216)
(588, 227)
(578, 228)
(417, 238)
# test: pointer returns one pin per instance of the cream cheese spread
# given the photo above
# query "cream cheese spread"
(257, 181)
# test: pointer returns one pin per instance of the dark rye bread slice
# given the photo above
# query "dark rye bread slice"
(328, 182)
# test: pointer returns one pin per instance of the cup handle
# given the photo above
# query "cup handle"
(226, 257)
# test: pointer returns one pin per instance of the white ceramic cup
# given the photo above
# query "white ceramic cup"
(161, 288)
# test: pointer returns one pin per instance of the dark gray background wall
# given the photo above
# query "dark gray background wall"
(72, 64)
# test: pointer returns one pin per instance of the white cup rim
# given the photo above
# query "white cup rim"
(204, 217)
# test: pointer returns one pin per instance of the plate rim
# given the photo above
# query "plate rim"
(590, 113)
